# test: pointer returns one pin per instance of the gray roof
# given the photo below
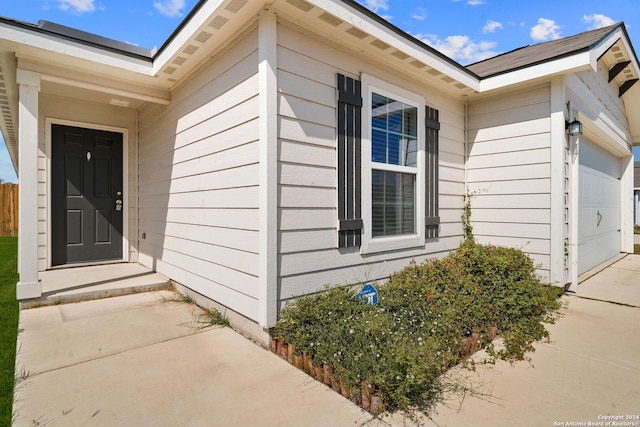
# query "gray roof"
(93, 39)
(46, 27)
(516, 59)
(539, 53)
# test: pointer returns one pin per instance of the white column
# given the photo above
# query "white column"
(558, 140)
(268, 223)
(29, 85)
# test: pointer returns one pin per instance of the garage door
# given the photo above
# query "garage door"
(599, 206)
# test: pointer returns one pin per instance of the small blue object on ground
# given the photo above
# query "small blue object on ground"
(369, 294)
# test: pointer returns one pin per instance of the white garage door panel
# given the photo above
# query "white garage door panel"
(599, 206)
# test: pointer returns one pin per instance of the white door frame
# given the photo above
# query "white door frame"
(49, 122)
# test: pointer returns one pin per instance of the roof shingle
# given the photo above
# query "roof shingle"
(539, 53)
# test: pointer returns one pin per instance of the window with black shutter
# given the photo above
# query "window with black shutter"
(392, 181)
(349, 161)
(432, 218)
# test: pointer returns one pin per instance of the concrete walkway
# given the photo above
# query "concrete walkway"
(135, 360)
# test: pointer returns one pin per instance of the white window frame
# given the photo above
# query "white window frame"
(370, 244)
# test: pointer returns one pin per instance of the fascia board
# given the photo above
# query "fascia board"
(35, 40)
(81, 79)
(603, 46)
(185, 34)
(569, 64)
(361, 21)
(632, 56)
(163, 99)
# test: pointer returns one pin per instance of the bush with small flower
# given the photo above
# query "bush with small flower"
(402, 347)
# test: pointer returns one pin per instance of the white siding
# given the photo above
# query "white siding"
(307, 216)
(606, 128)
(594, 96)
(509, 171)
(199, 181)
(84, 114)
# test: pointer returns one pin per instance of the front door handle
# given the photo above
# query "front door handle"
(118, 205)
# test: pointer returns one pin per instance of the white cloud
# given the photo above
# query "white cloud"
(475, 2)
(546, 29)
(170, 8)
(77, 6)
(377, 5)
(491, 27)
(597, 21)
(420, 14)
(460, 48)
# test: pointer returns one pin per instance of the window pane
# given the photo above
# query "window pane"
(394, 131)
(378, 146)
(392, 203)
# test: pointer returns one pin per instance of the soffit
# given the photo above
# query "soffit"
(8, 105)
(345, 23)
(621, 60)
(203, 34)
(350, 27)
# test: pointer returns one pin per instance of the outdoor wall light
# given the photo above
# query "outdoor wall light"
(574, 128)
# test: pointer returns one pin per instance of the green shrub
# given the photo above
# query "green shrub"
(418, 330)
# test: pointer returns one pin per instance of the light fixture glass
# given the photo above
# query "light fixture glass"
(574, 128)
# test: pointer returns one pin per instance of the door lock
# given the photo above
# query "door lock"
(118, 205)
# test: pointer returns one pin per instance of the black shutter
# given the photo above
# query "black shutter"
(349, 136)
(432, 219)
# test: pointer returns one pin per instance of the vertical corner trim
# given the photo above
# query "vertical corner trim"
(268, 169)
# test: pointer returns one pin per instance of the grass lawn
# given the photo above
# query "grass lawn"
(9, 324)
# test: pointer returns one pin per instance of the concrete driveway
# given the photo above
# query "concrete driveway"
(136, 360)
(589, 371)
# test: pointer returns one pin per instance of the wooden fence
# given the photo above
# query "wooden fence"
(8, 209)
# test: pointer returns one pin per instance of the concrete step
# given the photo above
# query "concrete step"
(71, 285)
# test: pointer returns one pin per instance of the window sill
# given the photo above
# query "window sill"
(393, 243)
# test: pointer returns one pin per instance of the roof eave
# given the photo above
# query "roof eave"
(398, 38)
(409, 38)
(24, 37)
(345, 10)
(563, 65)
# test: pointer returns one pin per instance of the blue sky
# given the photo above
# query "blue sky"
(465, 30)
